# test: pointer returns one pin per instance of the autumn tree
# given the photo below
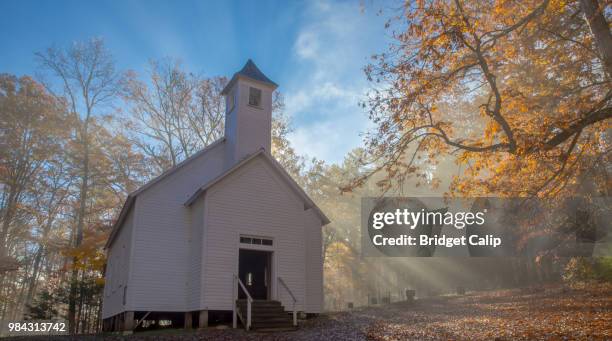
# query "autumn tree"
(31, 134)
(518, 92)
(30, 125)
(49, 203)
(85, 75)
(174, 113)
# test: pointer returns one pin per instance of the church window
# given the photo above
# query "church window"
(254, 97)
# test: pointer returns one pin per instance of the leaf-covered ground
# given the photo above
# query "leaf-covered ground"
(547, 313)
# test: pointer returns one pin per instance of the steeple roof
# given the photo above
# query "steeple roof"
(250, 71)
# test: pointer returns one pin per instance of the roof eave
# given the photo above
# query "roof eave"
(127, 205)
(132, 196)
(235, 78)
(177, 167)
(221, 176)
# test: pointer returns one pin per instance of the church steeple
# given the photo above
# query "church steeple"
(251, 71)
(248, 115)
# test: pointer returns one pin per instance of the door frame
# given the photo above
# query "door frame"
(271, 249)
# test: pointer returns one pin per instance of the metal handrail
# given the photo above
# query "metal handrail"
(238, 283)
(280, 280)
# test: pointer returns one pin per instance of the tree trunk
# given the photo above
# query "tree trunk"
(6, 221)
(99, 315)
(39, 254)
(600, 29)
(34, 276)
(4, 293)
(79, 232)
(79, 316)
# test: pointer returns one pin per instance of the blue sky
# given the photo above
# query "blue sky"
(315, 50)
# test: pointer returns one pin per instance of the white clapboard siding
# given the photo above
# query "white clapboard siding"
(118, 269)
(254, 200)
(194, 298)
(314, 263)
(162, 262)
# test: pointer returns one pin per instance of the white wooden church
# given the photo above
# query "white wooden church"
(226, 232)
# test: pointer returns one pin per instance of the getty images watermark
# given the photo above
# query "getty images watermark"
(484, 227)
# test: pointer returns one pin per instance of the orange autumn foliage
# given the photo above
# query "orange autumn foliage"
(517, 92)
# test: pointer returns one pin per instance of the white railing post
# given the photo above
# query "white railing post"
(248, 314)
(249, 303)
(234, 302)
